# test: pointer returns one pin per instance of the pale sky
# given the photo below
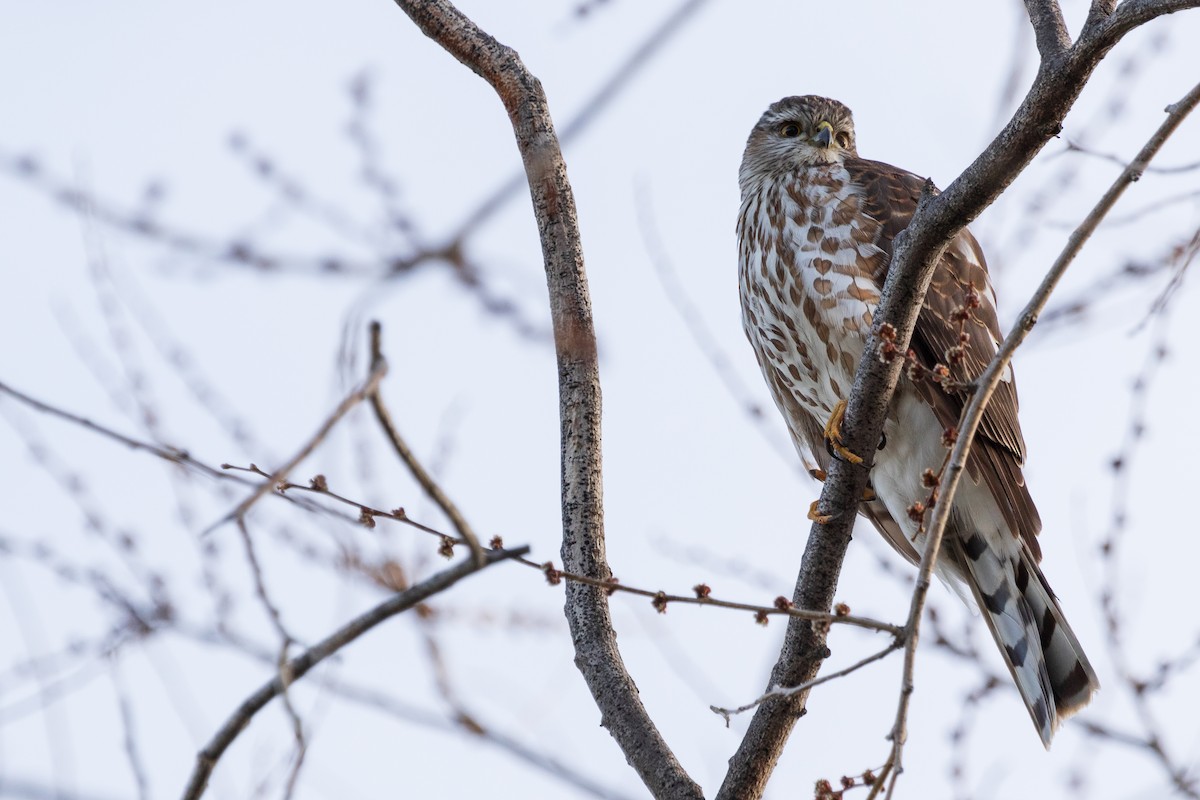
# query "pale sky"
(112, 98)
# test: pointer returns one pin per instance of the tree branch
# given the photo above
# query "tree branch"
(937, 219)
(583, 549)
(280, 474)
(422, 476)
(1105, 31)
(1049, 28)
(297, 667)
(1099, 11)
(986, 385)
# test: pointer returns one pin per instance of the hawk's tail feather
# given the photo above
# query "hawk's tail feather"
(1071, 675)
(1045, 658)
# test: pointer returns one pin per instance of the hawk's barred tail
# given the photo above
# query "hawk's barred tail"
(1046, 660)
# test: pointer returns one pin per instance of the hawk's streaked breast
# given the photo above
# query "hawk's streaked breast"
(807, 302)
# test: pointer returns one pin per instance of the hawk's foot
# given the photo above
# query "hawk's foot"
(819, 474)
(833, 435)
(820, 519)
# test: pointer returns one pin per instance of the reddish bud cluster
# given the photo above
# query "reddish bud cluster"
(887, 348)
(971, 301)
(553, 576)
(958, 352)
(366, 518)
(660, 602)
(930, 479)
(824, 791)
(318, 483)
(702, 590)
(916, 512)
(496, 543)
(949, 437)
(612, 586)
(446, 548)
(955, 354)
(782, 603)
(841, 610)
(761, 617)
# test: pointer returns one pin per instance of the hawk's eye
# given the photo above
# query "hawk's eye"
(843, 139)
(789, 130)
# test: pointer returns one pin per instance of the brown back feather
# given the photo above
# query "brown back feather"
(890, 196)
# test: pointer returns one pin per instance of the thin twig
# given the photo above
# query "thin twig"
(1075, 147)
(280, 474)
(175, 455)
(705, 341)
(592, 108)
(129, 740)
(387, 704)
(299, 666)
(985, 386)
(422, 476)
(786, 691)
(661, 600)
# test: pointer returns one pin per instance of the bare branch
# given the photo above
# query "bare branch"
(1048, 27)
(916, 253)
(280, 474)
(986, 385)
(175, 455)
(592, 107)
(1099, 10)
(410, 459)
(1102, 32)
(785, 691)
(583, 548)
(299, 666)
(1075, 147)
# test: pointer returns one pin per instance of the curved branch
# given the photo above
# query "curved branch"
(583, 549)
(297, 667)
(939, 218)
(986, 385)
(1049, 28)
(406, 455)
(1132, 13)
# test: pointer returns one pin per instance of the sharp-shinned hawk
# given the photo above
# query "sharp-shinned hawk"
(815, 231)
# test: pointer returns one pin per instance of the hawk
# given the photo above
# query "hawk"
(815, 235)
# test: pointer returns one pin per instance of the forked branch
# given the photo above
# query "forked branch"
(297, 667)
(583, 548)
(985, 387)
(1055, 89)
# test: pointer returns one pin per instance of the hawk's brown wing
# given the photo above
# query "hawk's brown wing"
(890, 196)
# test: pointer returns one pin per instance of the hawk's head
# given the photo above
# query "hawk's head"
(798, 132)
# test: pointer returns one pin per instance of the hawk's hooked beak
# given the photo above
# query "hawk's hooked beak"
(824, 134)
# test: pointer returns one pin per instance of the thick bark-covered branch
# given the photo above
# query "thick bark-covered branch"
(1055, 89)
(1049, 27)
(583, 551)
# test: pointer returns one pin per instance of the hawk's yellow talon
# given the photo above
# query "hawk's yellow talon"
(868, 493)
(833, 434)
(820, 519)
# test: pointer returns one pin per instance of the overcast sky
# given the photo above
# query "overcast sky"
(163, 106)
